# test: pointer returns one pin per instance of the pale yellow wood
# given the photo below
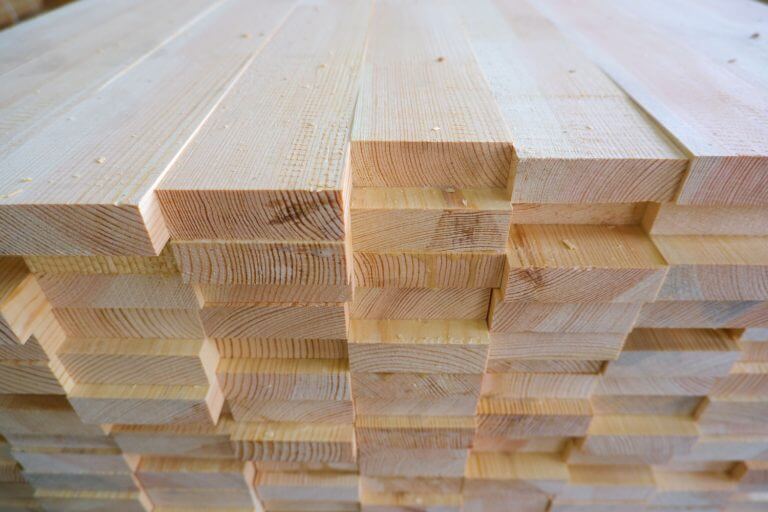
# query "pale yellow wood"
(703, 314)
(264, 263)
(202, 439)
(288, 177)
(675, 353)
(675, 488)
(678, 219)
(145, 404)
(650, 439)
(725, 268)
(108, 186)
(413, 462)
(578, 137)
(117, 291)
(22, 303)
(572, 347)
(429, 394)
(276, 320)
(413, 432)
(313, 487)
(609, 483)
(216, 294)
(741, 415)
(134, 361)
(162, 264)
(609, 214)
(565, 318)
(288, 442)
(451, 134)
(268, 348)
(420, 303)
(405, 269)
(645, 404)
(416, 346)
(429, 220)
(570, 263)
(28, 377)
(538, 385)
(130, 323)
(284, 379)
(498, 472)
(524, 417)
(708, 109)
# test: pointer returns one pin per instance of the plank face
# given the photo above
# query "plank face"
(708, 109)
(425, 116)
(578, 138)
(108, 186)
(300, 94)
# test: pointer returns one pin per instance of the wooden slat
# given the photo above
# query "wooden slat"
(454, 135)
(300, 92)
(106, 204)
(700, 102)
(578, 137)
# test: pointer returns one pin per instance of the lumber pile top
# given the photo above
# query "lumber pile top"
(384, 255)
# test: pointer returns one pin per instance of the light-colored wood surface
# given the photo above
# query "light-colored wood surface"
(709, 109)
(384, 256)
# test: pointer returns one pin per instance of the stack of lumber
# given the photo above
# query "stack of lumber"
(384, 256)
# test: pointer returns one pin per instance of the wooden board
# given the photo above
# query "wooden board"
(578, 137)
(457, 137)
(704, 106)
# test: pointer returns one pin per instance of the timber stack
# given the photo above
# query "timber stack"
(382, 256)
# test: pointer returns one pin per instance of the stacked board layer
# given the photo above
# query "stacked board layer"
(387, 256)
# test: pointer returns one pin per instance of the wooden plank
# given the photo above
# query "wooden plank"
(521, 418)
(405, 269)
(275, 320)
(650, 439)
(534, 472)
(145, 404)
(428, 220)
(420, 303)
(46, 85)
(703, 314)
(455, 135)
(134, 361)
(562, 263)
(65, 210)
(676, 488)
(130, 323)
(718, 268)
(413, 432)
(538, 385)
(199, 440)
(22, 303)
(407, 346)
(703, 105)
(677, 219)
(507, 348)
(298, 189)
(413, 462)
(588, 317)
(284, 379)
(286, 442)
(675, 353)
(247, 262)
(240, 294)
(163, 264)
(268, 348)
(118, 291)
(608, 214)
(313, 487)
(403, 394)
(589, 143)
(609, 483)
